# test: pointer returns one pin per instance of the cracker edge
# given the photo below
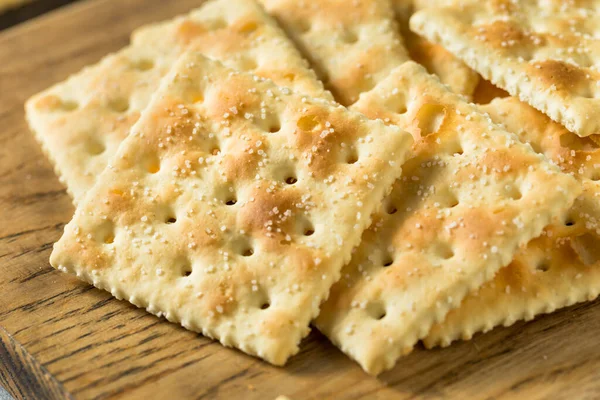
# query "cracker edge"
(508, 75)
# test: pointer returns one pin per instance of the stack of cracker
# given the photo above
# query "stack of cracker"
(252, 168)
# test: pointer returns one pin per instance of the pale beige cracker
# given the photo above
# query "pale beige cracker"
(437, 60)
(81, 122)
(352, 45)
(232, 206)
(469, 196)
(559, 268)
(421, 4)
(544, 52)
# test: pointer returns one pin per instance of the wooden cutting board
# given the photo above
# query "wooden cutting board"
(60, 338)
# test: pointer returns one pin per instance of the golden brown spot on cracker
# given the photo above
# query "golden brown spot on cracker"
(153, 168)
(506, 35)
(562, 76)
(274, 212)
(198, 98)
(308, 122)
(240, 159)
(248, 27)
(151, 163)
(502, 34)
(55, 103)
(188, 31)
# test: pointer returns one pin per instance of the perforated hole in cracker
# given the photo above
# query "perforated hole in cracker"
(376, 310)
(119, 105)
(151, 163)
(307, 228)
(387, 259)
(349, 37)
(274, 125)
(143, 64)
(105, 232)
(94, 147)
(231, 200)
(430, 118)
(543, 266)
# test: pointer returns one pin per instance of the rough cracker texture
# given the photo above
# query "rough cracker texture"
(421, 4)
(81, 122)
(352, 45)
(544, 52)
(559, 268)
(437, 60)
(469, 196)
(232, 206)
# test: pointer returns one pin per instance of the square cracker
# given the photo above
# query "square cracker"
(437, 60)
(469, 196)
(543, 52)
(81, 122)
(351, 45)
(559, 268)
(232, 206)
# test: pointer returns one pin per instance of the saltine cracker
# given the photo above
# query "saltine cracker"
(232, 206)
(81, 122)
(436, 60)
(544, 52)
(352, 45)
(559, 268)
(469, 196)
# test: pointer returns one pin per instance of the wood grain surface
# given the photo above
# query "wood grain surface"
(60, 337)
(13, 12)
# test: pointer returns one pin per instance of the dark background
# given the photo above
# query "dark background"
(14, 16)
